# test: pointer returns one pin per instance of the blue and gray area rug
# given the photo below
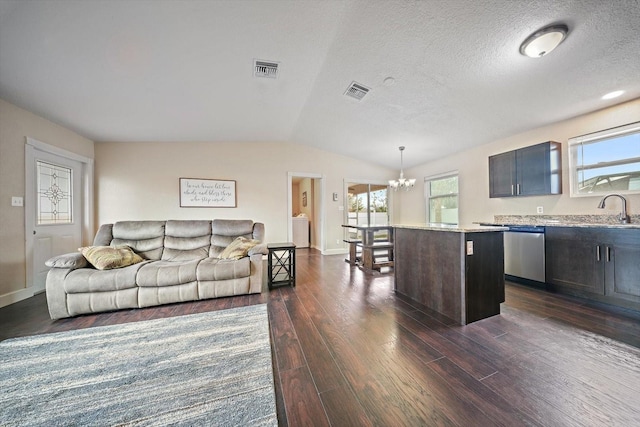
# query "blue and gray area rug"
(209, 369)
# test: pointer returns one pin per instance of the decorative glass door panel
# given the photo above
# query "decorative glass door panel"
(54, 194)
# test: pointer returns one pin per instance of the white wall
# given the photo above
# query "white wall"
(473, 166)
(15, 125)
(139, 180)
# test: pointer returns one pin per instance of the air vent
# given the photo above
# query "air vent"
(268, 69)
(356, 91)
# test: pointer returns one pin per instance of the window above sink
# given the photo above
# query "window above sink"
(605, 162)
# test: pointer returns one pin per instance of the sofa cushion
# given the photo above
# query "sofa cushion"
(146, 238)
(95, 302)
(223, 269)
(237, 249)
(110, 257)
(104, 236)
(72, 261)
(225, 231)
(167, 273)
(186, 240)
(91, 280)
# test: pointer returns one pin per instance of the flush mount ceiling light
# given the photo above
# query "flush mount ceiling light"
(613, 94)
(402, 182)
(544, 41)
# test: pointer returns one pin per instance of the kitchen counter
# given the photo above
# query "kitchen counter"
(562, 224)
(457, 271)
(582, 221)
(473, 228)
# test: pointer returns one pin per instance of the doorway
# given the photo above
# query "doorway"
(57, 206)
(304, 213)
(367, 204)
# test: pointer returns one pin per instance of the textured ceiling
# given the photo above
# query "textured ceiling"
(182, 70)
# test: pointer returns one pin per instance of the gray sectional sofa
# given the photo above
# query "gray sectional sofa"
(180, 264)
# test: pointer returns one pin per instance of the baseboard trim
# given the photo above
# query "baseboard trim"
(340, 251)
(15, 296)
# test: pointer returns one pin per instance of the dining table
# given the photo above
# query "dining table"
(377, 252)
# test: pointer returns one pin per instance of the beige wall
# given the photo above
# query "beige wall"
(295, 199)
(473, 166)
(15, 125)
(136, 181)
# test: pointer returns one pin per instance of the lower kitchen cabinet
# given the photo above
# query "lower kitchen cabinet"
(622, 271)
(597, 263)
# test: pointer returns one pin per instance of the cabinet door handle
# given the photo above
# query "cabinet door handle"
(608, 254)
(598, 253)
(512, 189)
(518, 189)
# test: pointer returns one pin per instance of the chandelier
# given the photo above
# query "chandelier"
(402, 182)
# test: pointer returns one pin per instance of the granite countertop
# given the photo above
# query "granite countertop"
(472, 228)
(581, 221)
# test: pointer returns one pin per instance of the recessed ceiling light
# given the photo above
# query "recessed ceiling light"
(614, 94)
(544, 41)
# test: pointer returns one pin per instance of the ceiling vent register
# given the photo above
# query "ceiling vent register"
(265, 69)
(356, 91)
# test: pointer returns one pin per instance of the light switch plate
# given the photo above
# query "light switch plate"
(17, 201)
(469, 247)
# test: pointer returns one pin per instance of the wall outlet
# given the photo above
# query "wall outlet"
(539, 209)
(17, 201)
(338, 241)
(469, 247)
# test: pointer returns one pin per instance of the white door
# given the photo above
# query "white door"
(53, 211)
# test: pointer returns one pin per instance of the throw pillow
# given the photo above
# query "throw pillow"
(110, 257)
(237, 249)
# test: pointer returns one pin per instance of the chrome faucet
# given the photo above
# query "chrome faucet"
(623, 217)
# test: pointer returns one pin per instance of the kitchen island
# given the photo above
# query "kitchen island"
(455, 271)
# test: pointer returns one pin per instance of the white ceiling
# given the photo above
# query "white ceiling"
(182, 70)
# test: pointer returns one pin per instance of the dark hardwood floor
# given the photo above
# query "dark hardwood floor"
(347, 351)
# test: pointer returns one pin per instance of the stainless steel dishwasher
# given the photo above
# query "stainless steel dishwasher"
(524, 252)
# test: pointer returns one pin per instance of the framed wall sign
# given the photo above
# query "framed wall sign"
(207, 193)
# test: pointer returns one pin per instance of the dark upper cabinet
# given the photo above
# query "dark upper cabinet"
(529, 171)
(502, 174)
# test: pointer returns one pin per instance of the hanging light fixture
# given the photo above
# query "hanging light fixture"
(544, 41)
(402, 182)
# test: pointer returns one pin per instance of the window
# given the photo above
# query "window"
(606, 161)
(441, 192)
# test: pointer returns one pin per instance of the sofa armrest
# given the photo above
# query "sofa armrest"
(259, 249)
(72, 261)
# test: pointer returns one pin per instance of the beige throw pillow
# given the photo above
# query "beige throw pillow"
(239, 248)
(110, 257)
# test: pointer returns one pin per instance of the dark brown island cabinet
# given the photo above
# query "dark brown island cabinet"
(599, 263)
(529, 171)
(457, 272)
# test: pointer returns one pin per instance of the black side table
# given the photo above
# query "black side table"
(281, 264)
